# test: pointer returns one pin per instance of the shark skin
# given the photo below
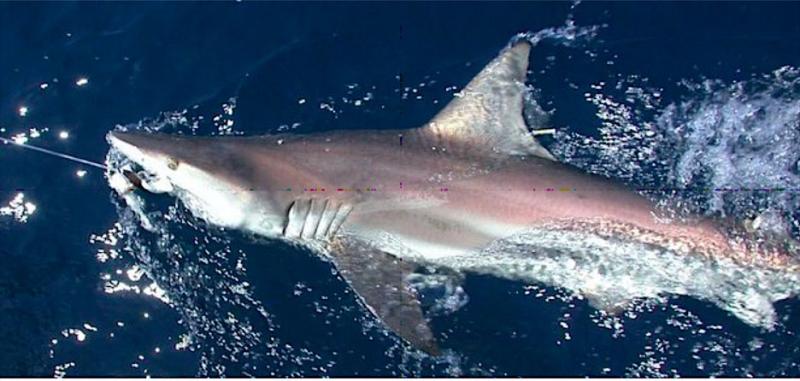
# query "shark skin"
(379, 203)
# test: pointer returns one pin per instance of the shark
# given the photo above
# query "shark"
(459, 192)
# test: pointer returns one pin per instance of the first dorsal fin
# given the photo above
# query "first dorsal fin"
(488, 112)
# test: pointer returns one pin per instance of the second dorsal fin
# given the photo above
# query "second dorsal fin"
(488, 112)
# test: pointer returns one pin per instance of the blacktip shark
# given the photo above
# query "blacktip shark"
(380, 203)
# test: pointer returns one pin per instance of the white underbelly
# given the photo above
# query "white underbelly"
(430, 234)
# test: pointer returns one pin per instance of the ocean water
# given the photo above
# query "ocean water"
(680, 95)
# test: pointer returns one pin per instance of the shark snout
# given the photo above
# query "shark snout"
(123, 142)
(145, 143)
(151, 151)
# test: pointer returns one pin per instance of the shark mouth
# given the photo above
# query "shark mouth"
(125, 174)
(124, 177)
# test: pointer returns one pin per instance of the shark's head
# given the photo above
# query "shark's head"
(158, 155)
(210, 180)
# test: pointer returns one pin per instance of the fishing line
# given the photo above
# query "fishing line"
(54, 153)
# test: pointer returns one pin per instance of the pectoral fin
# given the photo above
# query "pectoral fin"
(379, 279)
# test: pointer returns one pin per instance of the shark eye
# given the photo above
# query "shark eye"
(172, 163)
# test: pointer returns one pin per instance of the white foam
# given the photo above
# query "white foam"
(611, 273)
(443, 293)
(741, 135)
(738, 135)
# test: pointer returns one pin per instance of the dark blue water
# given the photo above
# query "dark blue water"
(253, 308)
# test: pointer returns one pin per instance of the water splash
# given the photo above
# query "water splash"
(744, 134)
(440, 294)
(190, 121)
(18, 209)
(611, 273)
(204, 281)
(568, 35)
(629, 144)
(720, 136)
